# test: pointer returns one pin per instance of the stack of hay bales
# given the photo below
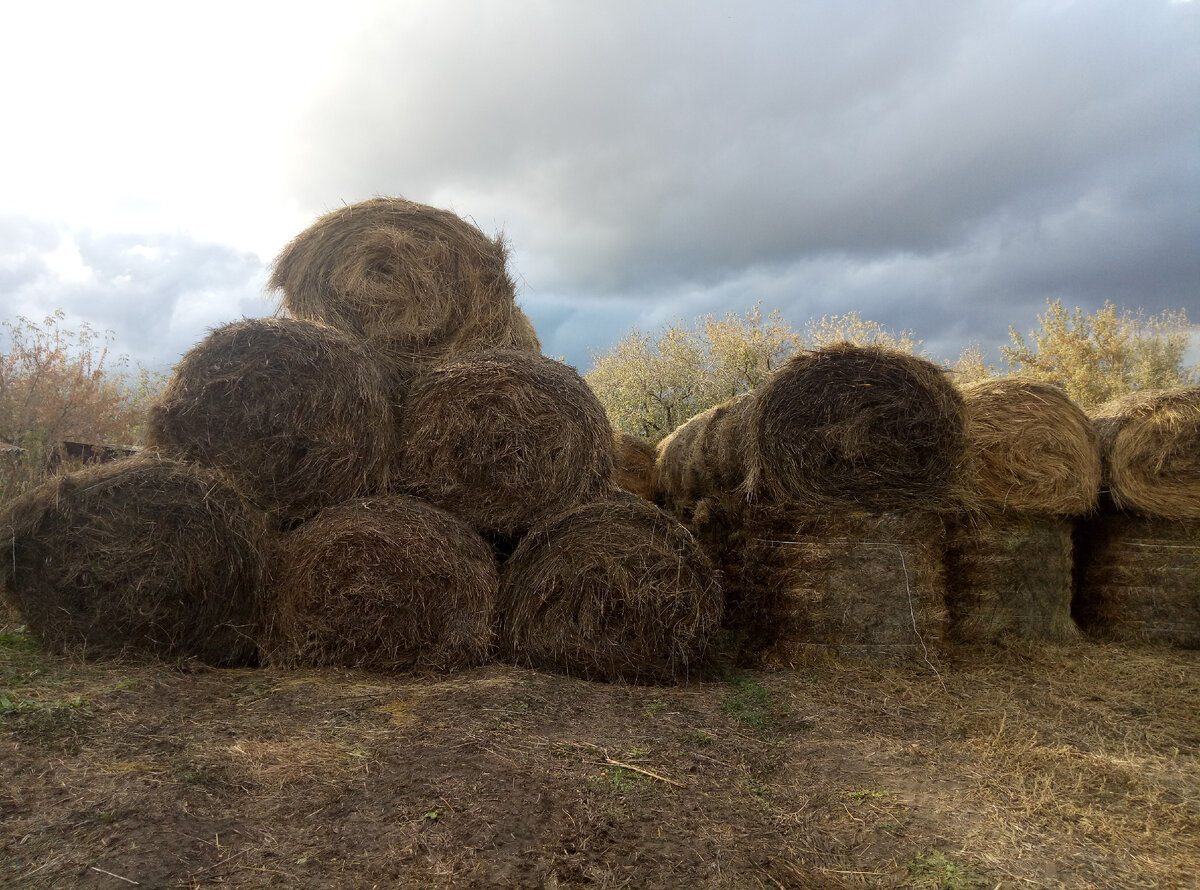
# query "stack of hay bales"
(139, 557)
(1139, 562)
(635, 458)
(1034, 467)
(820, 493)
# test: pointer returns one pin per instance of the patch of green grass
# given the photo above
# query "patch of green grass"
(937, 871)
(620, 780)
(49, 724)
(752, 704)
(699, 738)
(20, 658)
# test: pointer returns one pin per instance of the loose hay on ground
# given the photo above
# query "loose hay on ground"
(504, 440)
(844, 427)
(613, 589)
(1138, 579)
(1030, 448)
(386, 583)
(296, 415)
(854, 583)
(1010, 574)
(634, 469)
(1150, 442)
(418, 283)
(143, 557)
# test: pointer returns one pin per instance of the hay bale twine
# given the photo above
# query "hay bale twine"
(634, 467)
(869, 585)
(418, 283)
(294, 414)
(388, 583)
(1030, 449)
(141, 557)
(1150, 442)
(614, 589)
(1138, 579)
(1009, 574)
(504, 440)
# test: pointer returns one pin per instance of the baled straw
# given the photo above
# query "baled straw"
(1138, 579)
(868, 585)
(139, 558)
(1009, 574)
(1030, 449)
(613, 589)
(1150, 441)
(294, 414)
(418, 283)
(634, 470)
(504, 440)
(387, 583)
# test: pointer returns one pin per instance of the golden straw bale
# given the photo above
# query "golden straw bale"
(294, 414)
(1030, 448)
(634, 470)
(612, 589)
(1150, 442)
(141, 557)
(1138, 579)
(851, 583)
(504, 440)
(1010, 574)
(418, 283)
(843, 427)
(388, 583)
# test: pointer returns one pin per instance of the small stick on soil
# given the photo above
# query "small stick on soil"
(118, 877)
(644, 772)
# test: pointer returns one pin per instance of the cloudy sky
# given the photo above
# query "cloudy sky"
(943, 167)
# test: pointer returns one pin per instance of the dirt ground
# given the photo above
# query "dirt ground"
(1069, 766)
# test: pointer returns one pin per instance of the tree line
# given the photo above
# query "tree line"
(651, 383)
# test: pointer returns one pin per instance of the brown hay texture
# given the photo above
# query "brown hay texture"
(294, 414)
(419, 284)
(1009, 574)
(387, 583)
(504, 440)
(142, 557)
(615, 589)
(859, 584)
(634, 469)
(844, 427)
(1150, 441)
(1138, 579)
(1030, 449)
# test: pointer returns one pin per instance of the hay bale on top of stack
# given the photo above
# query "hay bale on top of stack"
(387, 583)
(141, 557)
(1138, 577)
(1034, 467)
(820, 493)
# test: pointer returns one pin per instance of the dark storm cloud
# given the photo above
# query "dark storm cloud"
(945, 167)
(158, 294)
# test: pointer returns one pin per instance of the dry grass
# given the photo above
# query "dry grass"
(1150, 442)
(634, 468)
(294, 414)
(386, 584)
(1031, 449)
(613, 589)
(417, 283)
(504, 440)
(139, 558)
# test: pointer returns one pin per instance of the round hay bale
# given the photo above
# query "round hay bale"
(634, 468)
(522, 335)
(418, 283)
(1150, 442)
(704, 458)
(613, 590)
(387, 583)
(504, 440)
(860, 426)
(141, 557)
(869, 585)
(1030, 449)
(1010, 574)
(294, 414)
(1138, 579)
